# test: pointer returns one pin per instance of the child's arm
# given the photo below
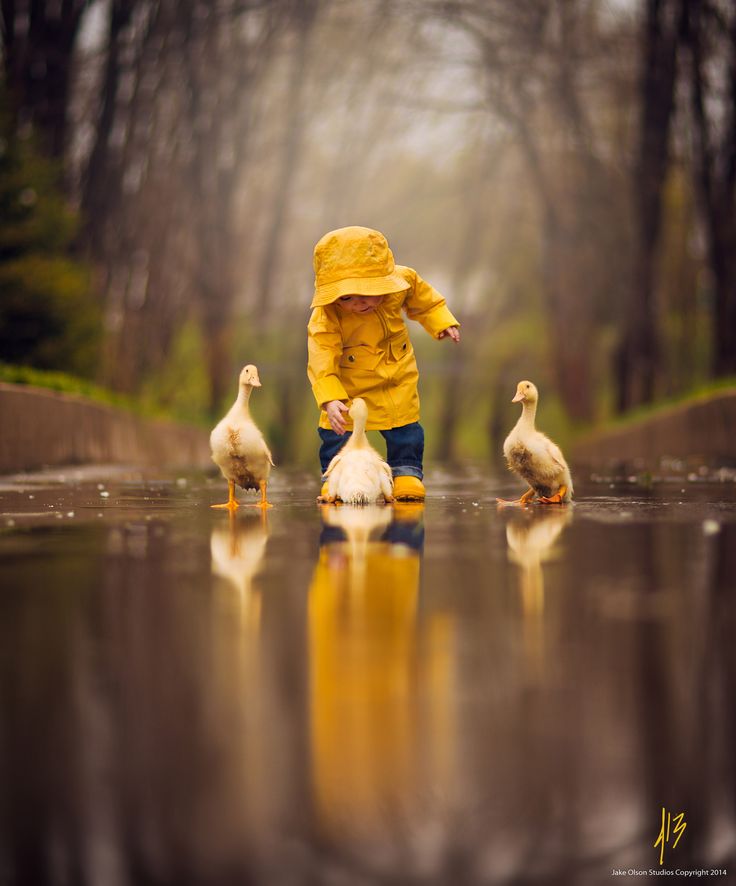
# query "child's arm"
(424, 304)
(324, 347)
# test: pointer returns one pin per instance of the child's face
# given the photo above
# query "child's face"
(360, 304)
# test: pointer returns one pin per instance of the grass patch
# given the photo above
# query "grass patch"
(64, 383)
(697, 394)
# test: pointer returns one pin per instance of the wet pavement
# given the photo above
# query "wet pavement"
(438, 694)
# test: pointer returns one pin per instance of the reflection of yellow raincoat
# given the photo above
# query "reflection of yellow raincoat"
(362, 647)
(371, 356)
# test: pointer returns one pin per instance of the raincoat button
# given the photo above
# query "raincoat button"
(351, 358)
(403, 347)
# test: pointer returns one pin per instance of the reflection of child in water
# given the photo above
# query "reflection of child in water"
(359, 346)
(363, 716)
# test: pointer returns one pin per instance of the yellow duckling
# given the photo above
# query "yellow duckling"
(238, 447)
(534, 457)
(357, 474)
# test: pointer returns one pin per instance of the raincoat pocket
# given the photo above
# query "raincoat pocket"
(400, 347)
(360, 357)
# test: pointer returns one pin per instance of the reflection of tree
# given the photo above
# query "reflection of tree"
(683, 700)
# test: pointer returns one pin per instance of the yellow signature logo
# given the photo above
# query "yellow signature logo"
(672, 826)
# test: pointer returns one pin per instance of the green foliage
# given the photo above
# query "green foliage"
(48, 317)
(181, 387)
(694, 394)
(63, 383)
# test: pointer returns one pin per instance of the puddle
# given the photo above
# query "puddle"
(435, 694)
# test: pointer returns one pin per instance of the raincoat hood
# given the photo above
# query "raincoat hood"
(354, 261)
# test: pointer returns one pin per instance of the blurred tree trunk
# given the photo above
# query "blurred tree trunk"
(638, 355)
(221, 73)
(161, 183)
(361, 129)
(466, 257)
(101, 184)
(303, 16)
(711, 37)
(38, 45)
(573, 269)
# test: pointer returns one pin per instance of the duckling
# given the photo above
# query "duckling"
(534, 457)
(238, 447)
(357, 474)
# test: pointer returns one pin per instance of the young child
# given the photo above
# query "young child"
(359, 346)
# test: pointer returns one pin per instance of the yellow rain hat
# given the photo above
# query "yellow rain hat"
(354, 261)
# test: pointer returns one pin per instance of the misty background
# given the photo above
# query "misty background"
(563, 171)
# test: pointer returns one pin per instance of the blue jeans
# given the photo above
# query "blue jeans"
(404, 448)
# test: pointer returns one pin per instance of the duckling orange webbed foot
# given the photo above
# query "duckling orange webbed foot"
(231, 504)
(557, 499)
(524, 500)
(263, 503)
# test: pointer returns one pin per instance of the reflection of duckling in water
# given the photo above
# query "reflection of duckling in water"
(238, 447)
(530, 539)
(355, 526)
(531, 536)
(534, 457)
(357, 474)
(238, 551)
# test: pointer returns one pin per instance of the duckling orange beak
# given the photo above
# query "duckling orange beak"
(519, 396)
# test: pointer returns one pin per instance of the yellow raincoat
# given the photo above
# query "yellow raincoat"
(371, 356)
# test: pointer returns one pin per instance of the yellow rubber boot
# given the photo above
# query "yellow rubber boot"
(408, 489)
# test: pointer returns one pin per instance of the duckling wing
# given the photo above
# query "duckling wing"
(267, 451)
(387, 481)
(555, 453)
(334, 463)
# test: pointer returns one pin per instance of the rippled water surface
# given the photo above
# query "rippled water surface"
(438, 694)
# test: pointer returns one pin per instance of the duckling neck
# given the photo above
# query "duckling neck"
(243, 398)
(358, 437)
(528, 413)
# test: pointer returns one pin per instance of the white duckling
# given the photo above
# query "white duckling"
(238, 447)
(357, 474)
(534, 457)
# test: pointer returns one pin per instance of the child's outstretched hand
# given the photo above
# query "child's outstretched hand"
(335, 410)
(451, 332)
